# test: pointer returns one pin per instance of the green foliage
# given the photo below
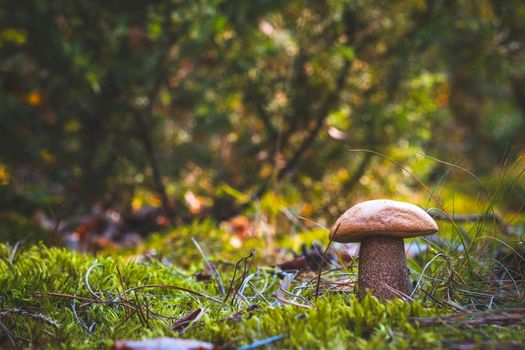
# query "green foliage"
(102, 99)
(18, 228)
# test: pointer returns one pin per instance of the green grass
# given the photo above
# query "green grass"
(54, 298)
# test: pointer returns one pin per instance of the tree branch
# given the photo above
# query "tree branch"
(307, 142)
(144, 130)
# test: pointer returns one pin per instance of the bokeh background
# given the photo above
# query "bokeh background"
(214, 108)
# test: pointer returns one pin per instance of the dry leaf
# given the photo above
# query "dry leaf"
(163, 344)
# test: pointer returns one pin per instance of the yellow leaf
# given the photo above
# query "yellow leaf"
(34, 98)
(4, 175)
(47, 157)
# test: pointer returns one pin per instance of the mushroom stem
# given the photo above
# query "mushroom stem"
(383, 267)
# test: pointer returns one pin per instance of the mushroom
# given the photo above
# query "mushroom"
(380, 225)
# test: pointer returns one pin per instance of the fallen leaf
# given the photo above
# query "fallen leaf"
(163, 344)
(241, 226)
(186, 320)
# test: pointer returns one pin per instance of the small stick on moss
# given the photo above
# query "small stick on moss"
(8, 333)
(82, 324)
(123, 286)
(259, 293)
(286, 301)
(143, 319)
(295, 296)
(36, 316)
(88, 301)
(185, 320)
(232, 281)
(321, 266)
(210, 266)
(165, 286)
(263, 342)
(68, 296)
(246, 269)
(398, 293)
(500, 317)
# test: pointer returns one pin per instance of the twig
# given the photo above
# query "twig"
(245, 282)
(323, 113)
(165, 286)
(467, 319)
(123, 286)
(246, 269)
(86, 280)
(259, 293)
(400, 294)
(490, 217)
(73, 297)
(143, 320)
(8, 333)
(321, 266)
(286, 301)
(262, 342)
(296, 296)
(82, 324)
(144, 131)
(314, 222)
(241, 260)
(186, 319)
(210, 266)
(36, 316)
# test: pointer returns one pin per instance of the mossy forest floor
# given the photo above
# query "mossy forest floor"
(193, 283)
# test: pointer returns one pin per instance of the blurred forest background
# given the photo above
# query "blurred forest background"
(210, 108)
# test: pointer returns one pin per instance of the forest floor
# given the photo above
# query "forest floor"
(257, 291)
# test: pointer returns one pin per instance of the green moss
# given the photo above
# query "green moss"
(335, 321)
(25, 282)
